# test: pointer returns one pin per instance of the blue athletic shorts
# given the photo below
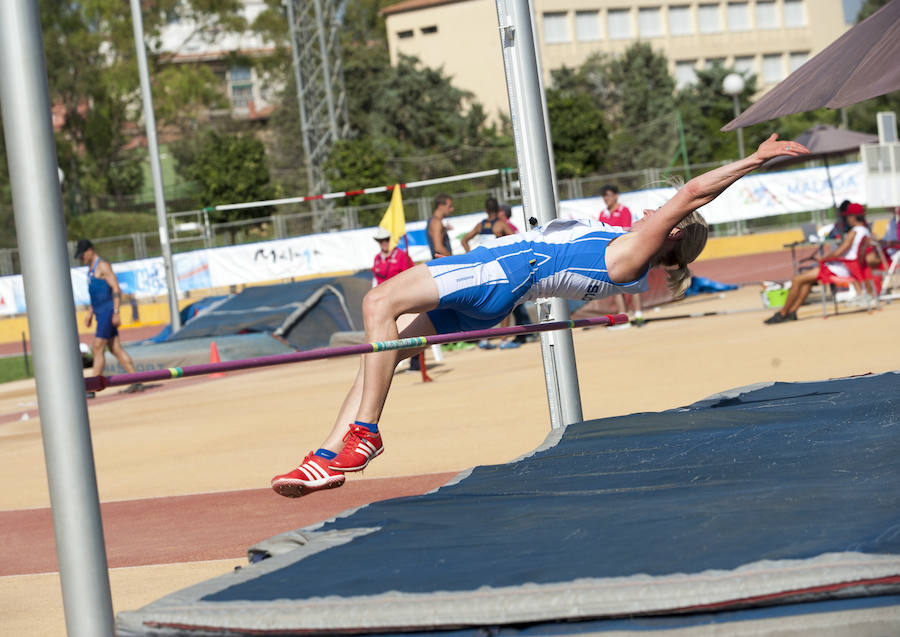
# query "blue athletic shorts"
(105, 328)
(476, 290)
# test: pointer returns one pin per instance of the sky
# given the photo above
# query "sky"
(851, 8)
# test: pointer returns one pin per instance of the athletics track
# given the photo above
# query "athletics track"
(242, 456)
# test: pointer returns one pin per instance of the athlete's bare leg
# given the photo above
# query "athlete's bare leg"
(411, 292)
(115, 346)
(99, 349)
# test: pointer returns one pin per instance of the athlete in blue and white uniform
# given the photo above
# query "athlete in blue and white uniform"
(569, 259)
(564, 258)
(105, 294)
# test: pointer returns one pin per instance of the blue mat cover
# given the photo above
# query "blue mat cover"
(785, 493)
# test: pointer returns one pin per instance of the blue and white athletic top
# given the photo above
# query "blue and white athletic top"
(567, 258)
(560, 259)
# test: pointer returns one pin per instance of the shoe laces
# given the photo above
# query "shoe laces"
(355, 433)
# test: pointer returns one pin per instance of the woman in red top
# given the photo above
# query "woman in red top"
(388, 262)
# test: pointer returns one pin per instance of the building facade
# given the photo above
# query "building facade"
(249, 95)
(768, 38)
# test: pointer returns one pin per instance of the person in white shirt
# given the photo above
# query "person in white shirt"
(848, 249)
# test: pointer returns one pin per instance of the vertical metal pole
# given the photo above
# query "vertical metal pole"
(298, 77)
(537, 177)
(155, 168)
(40, 228)
(326, 69)
(741, 224)
(25, 356)
(740, 131)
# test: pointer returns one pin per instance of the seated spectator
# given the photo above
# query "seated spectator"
(840, 226)
(855, 218)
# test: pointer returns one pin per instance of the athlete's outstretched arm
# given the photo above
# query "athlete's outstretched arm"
(702, 189)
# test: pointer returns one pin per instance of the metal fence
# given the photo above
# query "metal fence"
(193, 230)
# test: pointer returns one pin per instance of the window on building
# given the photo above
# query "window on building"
(711, 62)
(587, 26)
(680, 20)
(738, 16)
(241, 95)
(745, 64)
(429, 30)
(685, 73)
(772, 68)
(796, 60)
(618, 24)
(649, 22)
(709, 18)
(239, 74)
(405, 34)
(556, 28)
(766, 17)
(794, 14)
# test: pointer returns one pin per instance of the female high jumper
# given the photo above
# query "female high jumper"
(564, 258)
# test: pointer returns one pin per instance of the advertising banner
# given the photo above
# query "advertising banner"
(12, 295)
(752, 197)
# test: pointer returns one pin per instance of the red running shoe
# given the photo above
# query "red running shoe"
(313, 474)
(360, 447)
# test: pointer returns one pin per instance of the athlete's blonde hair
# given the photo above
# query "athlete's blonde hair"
(695, 232)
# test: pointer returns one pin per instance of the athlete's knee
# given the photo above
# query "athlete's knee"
(376, 305)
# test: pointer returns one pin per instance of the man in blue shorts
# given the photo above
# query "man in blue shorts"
(103, 288)
(565, 258)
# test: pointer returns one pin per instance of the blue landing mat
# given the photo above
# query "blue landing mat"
(780, 494)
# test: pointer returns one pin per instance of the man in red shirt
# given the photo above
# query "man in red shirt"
(617, 214)
(388, 263)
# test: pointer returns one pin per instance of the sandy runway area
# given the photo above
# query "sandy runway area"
(485, 407)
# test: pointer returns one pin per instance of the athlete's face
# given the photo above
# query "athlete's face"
(675, 234)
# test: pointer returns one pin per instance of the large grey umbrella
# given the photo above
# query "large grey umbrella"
(861, 64)
(824, 141)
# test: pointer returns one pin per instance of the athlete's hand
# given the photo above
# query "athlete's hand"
(774, 148)
(116, 320)
(88, 319)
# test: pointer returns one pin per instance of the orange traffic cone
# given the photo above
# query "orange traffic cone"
(214, 358)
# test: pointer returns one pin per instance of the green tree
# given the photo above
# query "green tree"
(7, 221)
(578, 131)
(110, 224)
(643, 122)
(405, 122)
(705, 109)
(868, 8)
(229, 169)
(92, 74)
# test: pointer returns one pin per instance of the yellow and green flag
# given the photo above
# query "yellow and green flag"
(394, 220)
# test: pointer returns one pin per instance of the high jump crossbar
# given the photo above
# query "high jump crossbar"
(350, 193)
(97, 383)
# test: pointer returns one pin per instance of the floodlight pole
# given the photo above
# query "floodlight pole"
(528, 112)
(155, 168)
(37, 203)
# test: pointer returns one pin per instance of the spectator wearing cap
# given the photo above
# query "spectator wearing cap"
(858, 230)
(106, 296)
(389, 261)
